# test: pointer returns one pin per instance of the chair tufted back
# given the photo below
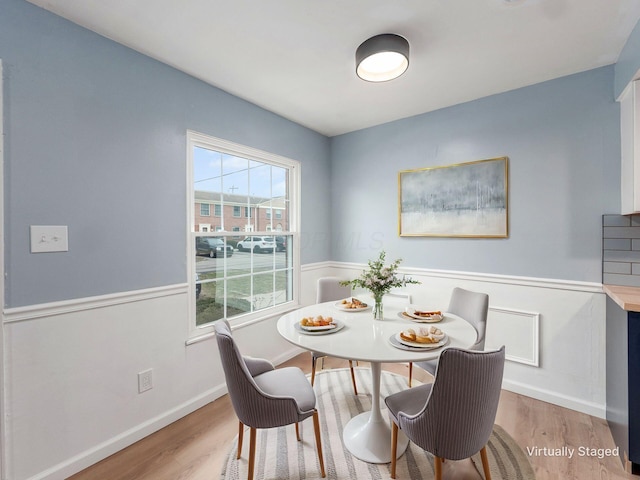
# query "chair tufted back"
(253, 407)
(459, 414)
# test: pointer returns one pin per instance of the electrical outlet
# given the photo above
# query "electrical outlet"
(145, 380)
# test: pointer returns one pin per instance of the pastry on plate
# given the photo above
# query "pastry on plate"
(422, 335)
(318, 321)
(353, 303)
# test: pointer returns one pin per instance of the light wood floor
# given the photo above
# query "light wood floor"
(195, 447)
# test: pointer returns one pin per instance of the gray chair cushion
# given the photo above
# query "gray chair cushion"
(410, 402)
(288, 382)
(256, 366)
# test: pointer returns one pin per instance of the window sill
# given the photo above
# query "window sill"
(240, 322)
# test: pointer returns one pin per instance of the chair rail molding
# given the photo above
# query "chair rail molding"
(53, 309)
(594, 287)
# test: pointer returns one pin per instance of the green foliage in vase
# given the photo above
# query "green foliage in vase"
(380, 278)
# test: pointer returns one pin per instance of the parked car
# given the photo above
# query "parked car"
(257, 244)
(214, 247)
(281, 244)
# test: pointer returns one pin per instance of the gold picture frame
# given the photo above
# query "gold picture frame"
(462, 200)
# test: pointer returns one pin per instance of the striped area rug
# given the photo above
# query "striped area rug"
(279, 456)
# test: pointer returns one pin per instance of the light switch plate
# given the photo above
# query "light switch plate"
(49, 238)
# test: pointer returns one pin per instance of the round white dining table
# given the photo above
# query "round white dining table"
(368, 435)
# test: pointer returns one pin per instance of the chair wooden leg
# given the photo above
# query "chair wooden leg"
(410, 372)
(313, 369)
(353, 377)
(485, 463)
(252, 452)
(394, 448)
(297, 432)
(316, 428)
(240, 437)
(438, 468)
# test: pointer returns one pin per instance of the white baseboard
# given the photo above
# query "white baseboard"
(287, 355)
(555, 398)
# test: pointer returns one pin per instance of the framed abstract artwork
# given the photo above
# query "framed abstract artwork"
(462, 200)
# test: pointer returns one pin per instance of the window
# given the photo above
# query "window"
(204, 209)
(235, 275)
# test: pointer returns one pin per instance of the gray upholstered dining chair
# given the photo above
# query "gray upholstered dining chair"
(470, 306)
(329, 288)
(265, 397)
(452, 417)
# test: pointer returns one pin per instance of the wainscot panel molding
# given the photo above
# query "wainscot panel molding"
(518, 331)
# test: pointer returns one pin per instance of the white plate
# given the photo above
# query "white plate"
(411, 309)
(422, 346)
(406, 316)
(393, 340)
(340, 306)
(319, 330)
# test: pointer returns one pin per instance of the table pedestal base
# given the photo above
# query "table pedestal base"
(368, 435)
(370, 440)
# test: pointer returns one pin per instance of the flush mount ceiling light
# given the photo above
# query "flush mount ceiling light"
(383, 57)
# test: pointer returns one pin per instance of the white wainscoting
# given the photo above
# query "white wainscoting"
(553, 330)
(71, 372)
(71, 367)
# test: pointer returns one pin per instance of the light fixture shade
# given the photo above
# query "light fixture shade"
(383, 57)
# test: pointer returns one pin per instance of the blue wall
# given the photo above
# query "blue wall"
(95, 139)
(563, 141)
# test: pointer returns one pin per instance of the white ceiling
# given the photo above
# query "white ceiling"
(296, 57)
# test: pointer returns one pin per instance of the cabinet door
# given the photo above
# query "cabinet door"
(630, 148)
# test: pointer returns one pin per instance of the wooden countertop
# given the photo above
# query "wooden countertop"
(627, 297)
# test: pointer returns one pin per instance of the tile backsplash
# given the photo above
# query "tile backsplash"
(621, 250)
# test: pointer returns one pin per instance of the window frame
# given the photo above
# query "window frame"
(195, 139)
